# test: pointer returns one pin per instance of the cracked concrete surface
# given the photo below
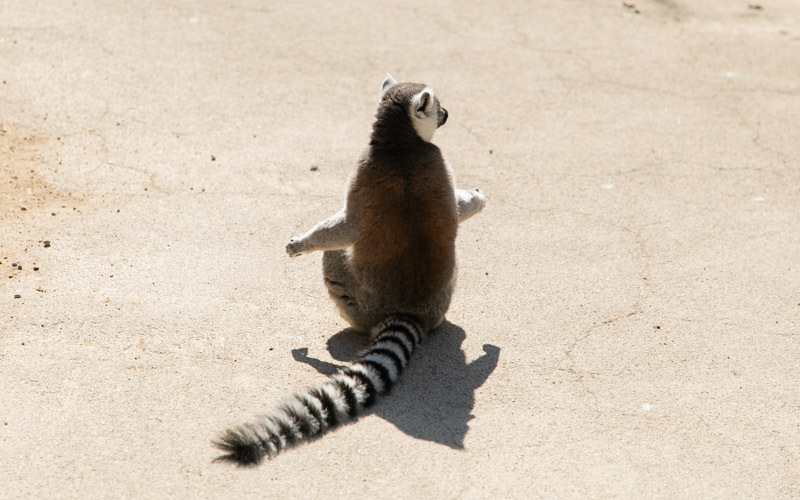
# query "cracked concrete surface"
(629, 298)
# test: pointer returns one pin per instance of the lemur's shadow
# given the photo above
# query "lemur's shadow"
(434, 398)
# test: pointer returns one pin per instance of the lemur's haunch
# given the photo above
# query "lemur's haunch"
(389, 265)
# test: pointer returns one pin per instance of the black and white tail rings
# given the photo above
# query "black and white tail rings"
(339, 400)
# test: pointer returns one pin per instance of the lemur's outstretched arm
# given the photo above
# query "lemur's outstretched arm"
(336, 232)
(470, 202)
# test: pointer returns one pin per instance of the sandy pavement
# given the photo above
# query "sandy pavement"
(627, 321)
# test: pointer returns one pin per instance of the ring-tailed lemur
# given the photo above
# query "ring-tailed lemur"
(389, 264)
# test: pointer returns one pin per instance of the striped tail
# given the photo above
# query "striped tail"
(339, 400)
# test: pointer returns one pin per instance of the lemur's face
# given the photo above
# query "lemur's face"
(424, 109)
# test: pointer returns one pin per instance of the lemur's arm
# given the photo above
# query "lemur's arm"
(336, 232)
(469, 202)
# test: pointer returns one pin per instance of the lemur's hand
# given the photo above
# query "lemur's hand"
(479, 198)
(295, 246)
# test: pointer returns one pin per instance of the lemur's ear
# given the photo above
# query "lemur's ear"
(388, 83)
(423, 114)
(423, 102)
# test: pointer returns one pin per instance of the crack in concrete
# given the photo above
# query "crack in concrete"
(151, 176)
(579, 374)
(636, 309)
(471, 132)
(756, 140)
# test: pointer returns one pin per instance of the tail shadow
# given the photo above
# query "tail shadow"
(434, 398)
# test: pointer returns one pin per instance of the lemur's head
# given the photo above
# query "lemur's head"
(404, 104)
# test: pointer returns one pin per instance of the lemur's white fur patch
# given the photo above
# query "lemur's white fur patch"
(388, 83)
(424, 114)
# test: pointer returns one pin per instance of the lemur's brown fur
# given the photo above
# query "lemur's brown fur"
(392, 249)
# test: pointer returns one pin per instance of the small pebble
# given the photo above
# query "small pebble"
(47, 243)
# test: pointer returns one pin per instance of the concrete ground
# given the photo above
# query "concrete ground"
(627, 322)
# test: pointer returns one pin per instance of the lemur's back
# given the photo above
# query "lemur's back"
(406, 197)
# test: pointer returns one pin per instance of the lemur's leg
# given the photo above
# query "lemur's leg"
(343, 287)
(336, 232)
(470, 202)
(438, 306)
(338, 277)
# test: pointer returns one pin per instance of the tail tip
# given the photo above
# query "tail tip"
(239, 449)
